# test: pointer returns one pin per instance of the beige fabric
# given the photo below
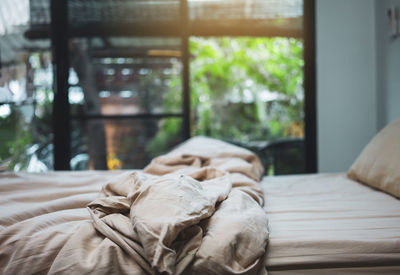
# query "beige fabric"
(199, 212)
(379, 163)
(329, 224)
(319, 224)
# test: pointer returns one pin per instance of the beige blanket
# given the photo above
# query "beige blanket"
(196, 210)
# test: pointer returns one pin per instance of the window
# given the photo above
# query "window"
(135, 78)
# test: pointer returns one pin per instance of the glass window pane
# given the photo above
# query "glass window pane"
(129, 11)
(124, 143)
(25, 91)
(250, 91)
(244, 10)
(111, 78)
(26, 99)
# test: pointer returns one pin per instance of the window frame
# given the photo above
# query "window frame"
(60, 34)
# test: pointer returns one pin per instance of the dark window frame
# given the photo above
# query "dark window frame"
(60, 33)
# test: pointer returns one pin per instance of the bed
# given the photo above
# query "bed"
(327, 223)
(317, 223)
(196, 210)
(79, 222)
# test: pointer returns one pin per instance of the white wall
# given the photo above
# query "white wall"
(388, 64)
(346, 81)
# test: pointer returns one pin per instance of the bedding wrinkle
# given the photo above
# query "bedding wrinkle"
(330, 224)
(196, 210)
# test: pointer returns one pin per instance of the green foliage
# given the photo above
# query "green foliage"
(21, 129)
(15, 138)
(8, 126)
(242, 89)
(18, 149)
(167, 136)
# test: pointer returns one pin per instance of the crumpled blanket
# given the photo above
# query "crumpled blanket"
(195, 210)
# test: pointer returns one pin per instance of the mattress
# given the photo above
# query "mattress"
(327, 223)
(321, 223)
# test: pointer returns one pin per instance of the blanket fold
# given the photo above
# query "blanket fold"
(195, 210)
(197, 205)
